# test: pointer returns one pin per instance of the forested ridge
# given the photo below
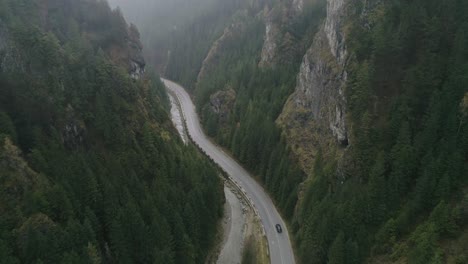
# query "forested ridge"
(408, 167)
(405, 172)
(398, 193)
(169, 26)
(91, 169)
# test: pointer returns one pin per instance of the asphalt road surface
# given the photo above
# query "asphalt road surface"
(279, 244)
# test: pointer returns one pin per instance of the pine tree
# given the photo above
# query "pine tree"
(337, 253)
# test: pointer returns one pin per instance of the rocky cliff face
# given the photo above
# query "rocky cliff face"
(270, 46)
(334, 31)
(336, 41)
(222, 103)
(131, 54)
(136, 60)
(314, 115)
(281, 46)
(298, 5)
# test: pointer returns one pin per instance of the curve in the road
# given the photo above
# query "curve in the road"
(279, 244)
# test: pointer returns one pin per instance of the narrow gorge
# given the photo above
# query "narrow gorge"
(291, 131)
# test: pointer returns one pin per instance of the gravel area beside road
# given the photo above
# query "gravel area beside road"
(234, 223)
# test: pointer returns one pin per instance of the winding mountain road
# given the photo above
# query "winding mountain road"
(279, 244)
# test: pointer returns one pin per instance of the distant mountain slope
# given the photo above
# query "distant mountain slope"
(91, 169)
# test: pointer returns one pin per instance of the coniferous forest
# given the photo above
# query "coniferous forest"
(401, 194)
(91, 169)
(397, 192)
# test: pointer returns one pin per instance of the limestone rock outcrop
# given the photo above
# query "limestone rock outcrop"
(222, 103)
(315, 114)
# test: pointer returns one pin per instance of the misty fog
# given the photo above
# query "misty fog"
(165, 23)
(160, 16)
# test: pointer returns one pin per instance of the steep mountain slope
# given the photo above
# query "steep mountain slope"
(260, 87)
(91, 169)
(314, 115)
(173, 29)
(353, 114)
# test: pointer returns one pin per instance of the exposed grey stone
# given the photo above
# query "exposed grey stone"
(137, 63)
(269, 50)
(74, 130)
(322, 76)
(333, 29)
(137, 69)
(222, 103)
(298, 5)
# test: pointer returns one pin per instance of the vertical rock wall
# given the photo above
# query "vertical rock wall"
(314, 115)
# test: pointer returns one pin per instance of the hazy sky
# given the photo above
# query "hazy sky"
(156, 18)
(138, 10)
